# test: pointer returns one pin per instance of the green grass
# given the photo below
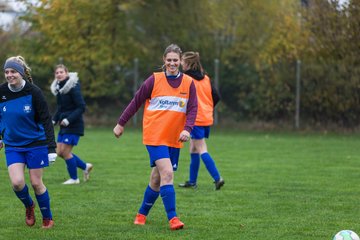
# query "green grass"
(278, 186)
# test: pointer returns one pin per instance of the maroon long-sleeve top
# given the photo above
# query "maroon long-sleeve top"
(144, 93)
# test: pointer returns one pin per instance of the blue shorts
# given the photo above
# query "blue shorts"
(200, 132)
(69, 139)
(158, 152)
(36, 157)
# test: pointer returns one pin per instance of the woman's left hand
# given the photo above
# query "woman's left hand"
(65, 122)
(184, 136)
(52, 157)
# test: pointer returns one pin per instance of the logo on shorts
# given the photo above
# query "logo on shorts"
(175, 165)
(42, 162)
(27, 108)
(66, 140)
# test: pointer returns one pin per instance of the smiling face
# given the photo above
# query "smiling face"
(13, 77)
(172, 63)
(61, 74)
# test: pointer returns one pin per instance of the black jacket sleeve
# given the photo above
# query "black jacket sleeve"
(79, 102)
(56, 116)
(215, 94)
(42, 115)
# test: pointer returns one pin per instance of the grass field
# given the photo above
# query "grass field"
(278, 186)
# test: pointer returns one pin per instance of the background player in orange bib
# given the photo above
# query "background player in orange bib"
(208, 97)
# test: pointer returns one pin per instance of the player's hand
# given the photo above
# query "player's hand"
(184, 136)
(1, 144)
(118, 130)
(52, 157)
(65, 122)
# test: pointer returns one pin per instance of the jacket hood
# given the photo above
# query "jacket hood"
(70, 83)
(197, 75)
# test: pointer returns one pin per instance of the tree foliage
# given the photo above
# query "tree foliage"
(88, 36)
(257, 43)
(332, 66)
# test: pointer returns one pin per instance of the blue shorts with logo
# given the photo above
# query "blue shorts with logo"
(69, 139)
(33, 158)
(200, 132)
(158, 152)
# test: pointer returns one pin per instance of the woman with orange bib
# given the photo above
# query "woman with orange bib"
(208, 97)
(169, 116)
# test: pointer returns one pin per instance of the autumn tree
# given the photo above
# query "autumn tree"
(91, 37)
(331, 63)
(257, 43)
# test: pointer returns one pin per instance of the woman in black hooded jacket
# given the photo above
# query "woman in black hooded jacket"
(69, 115)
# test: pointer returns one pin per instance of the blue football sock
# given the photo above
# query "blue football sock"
(210, 166)
(44, 204)
(150, 197)
(167, 193)
(24, 196)
(194, 167)
(79, 163)
(71, 167)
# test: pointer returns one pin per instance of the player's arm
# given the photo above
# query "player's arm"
(140, 97)
(42, 115)
(79, 105)
(191, 110)
(215, 94)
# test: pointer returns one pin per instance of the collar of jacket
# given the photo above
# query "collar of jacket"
(197, 75)
(71, 83)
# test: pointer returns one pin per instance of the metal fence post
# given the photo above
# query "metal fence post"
(297, 97)
(216, 83)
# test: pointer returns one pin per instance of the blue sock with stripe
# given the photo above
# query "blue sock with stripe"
(44, 204)
(150, 197)
(167, 193)
(71, 167)
(24, 196)
(79, 163)
(194, 167)
(210, 166)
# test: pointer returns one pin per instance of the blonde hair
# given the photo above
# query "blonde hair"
(173, 48)
(192, 60)
(27, 69)
(61, 66)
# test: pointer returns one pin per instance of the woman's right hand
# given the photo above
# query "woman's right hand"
(118, 130)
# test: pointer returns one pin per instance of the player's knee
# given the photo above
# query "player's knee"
(60, 153)
(37, 185)
(18, 184)
(155, 186)
(193, 149)
(167, 177)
